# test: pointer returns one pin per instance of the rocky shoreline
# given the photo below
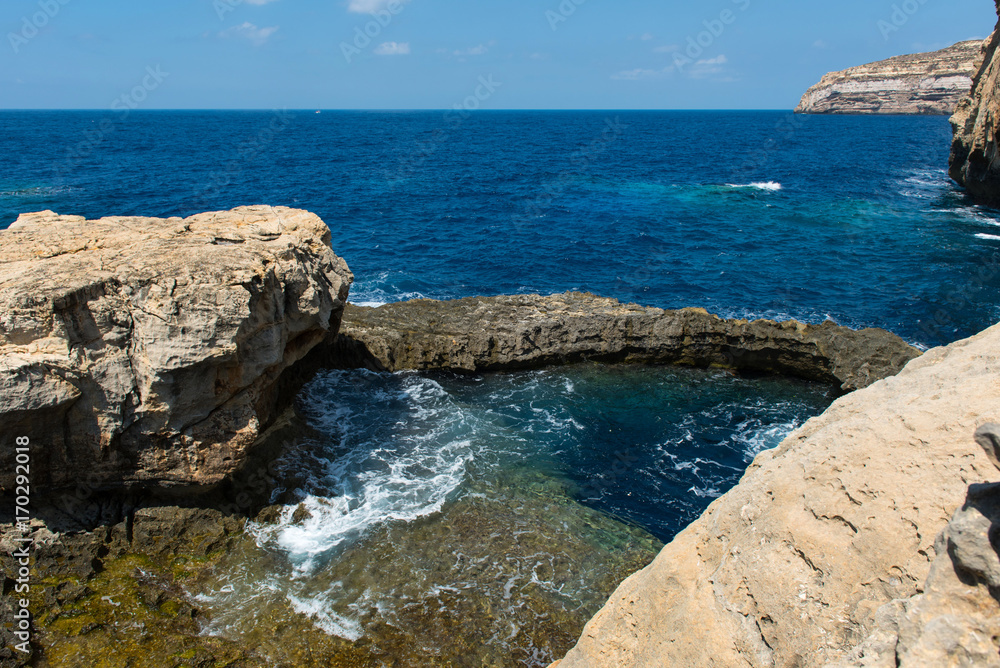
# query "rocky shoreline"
(530, 331)
(156, 359)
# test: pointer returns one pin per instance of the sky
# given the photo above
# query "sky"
(434, 54)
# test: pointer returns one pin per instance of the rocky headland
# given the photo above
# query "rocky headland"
(153, 352)
(975, 159)
(922, 83)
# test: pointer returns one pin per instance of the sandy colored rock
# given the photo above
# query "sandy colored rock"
(815, 557)
(529, 331)
(975, 162)
(922, 83)
(146, 350)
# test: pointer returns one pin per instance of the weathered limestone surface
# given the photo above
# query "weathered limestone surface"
(922, 83)
(522, 331)
(146, 350)
(975, 160)
(818, 556)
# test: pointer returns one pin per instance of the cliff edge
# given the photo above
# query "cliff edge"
(975, 158)
(821, 555)
(150, 351)
(919, 84)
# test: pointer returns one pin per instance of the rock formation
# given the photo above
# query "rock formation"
(923, 83)
(527, 331)
(820, 555)
(145, 350)
(975, 161)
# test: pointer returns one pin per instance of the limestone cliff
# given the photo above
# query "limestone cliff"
(975, 158)
(530, 331)
(819, 557)
(923, 83)
(150, 350)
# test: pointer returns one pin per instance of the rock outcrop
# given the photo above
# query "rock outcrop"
(529, 331)
(819, 557)
(975, 158)
(923, 83)
(152, 351)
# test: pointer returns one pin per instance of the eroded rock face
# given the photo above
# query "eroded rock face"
(815, 558)
(146, 350)
(975, 161)
(923, 83)
(528, 331)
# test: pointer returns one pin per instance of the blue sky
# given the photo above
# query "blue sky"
(535, 54)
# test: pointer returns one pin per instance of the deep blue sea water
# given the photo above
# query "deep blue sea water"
(652, 207)
(744, 213)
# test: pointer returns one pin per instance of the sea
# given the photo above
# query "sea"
(516, 502)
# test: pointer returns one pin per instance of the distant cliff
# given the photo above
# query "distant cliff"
(975, 164)
(923, 83)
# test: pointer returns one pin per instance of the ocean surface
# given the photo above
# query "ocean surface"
(516, 502)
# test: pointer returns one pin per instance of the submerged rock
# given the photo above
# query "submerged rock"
(975, 154)
(529, 331)
(813, 559)
(152, 351)
(922, 83)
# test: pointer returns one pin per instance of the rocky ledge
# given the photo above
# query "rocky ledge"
(923, 83)
(975, 153)
(836, 548)
(530, 331)
(152, 351)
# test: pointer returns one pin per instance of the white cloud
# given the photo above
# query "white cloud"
(820, 44)
(249, 31)
(646, 37)
(709, 66)
(474, 51)
(392, 49)
(669, 48)
(642, 73)
(258, 2)
(365, 6)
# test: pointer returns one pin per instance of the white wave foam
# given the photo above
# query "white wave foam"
(407, 447)
(379, 291)
(772, 186)
(988, 237)
(36, 191)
